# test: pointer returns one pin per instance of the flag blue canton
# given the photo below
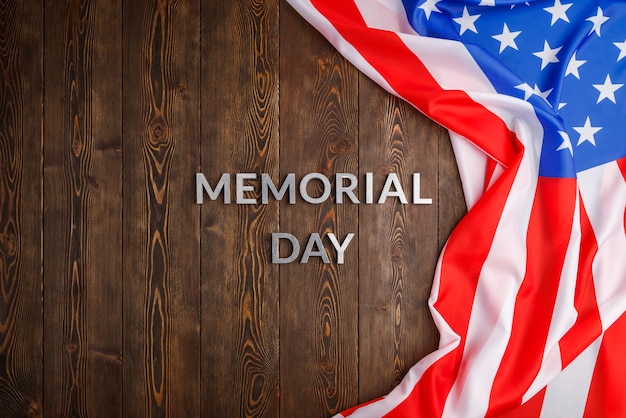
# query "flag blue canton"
(568, 59)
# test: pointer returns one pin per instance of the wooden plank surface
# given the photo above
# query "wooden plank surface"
(21, 95)
(399, 241)
(82, 231)
(161, 240)
(319, 316)
(240, 135)
(122, 297)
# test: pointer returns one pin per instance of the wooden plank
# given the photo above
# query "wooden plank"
(451, 202)
(398, 257)
(82, 185)
(240, 135)
(319, 133)
(161, 223)
(21, 92)
(103, 252)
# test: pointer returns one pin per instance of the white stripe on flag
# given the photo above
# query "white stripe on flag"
(567, 394)
(603, 192)
(467, 155)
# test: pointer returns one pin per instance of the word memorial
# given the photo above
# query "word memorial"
(345, 184)
(248, 187)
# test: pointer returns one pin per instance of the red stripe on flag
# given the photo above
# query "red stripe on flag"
(548, 236)
(606, 393)
(588, 325)
(529, 409)
(489, 172)
(408, 76)
(461, 265)
(621, 163)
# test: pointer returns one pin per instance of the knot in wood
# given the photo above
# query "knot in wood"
(158, 131)
(396, 256)
(33, 409)
(342, 145)
(8, 243)
(323, 64)
(180, 90)
(71, 347)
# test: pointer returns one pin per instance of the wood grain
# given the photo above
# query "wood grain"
(319, 133)
(240, 286)
(161, 263)
(21, 53)
(103, 251)
(450, 200)
(120, 296)
(395, 327)
(82, 251)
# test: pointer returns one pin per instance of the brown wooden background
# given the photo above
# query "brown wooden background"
(119, 296)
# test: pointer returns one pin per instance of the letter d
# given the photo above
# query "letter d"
(295, 248)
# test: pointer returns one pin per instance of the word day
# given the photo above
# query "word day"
(314, 248)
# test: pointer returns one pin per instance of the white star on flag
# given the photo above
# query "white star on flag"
(543, 94)
(548, 55)
(573, 66)
(597, 20)
(566, 144)
(587, 132)
(528, 91)
(558, 11)
(430, 6)
(467, 21)
(622, 49)
(507, 38)
(607, 90)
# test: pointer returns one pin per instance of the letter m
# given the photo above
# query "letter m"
(203, 186)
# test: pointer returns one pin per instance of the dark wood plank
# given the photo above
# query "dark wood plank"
(21, 91)
(161, 240)
(319, 315)
(451, 202)
(103, 253)
(240, 135)
(82, 185)
(399, 255)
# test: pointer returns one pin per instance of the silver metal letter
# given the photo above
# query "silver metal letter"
(288, 185)
(295, 248)
(341, 248)
(341, 189)
(417, 198)
(308, 251)
(202, 185)
(305, 194)
(240, 177)
(392, 179)
(369, 194)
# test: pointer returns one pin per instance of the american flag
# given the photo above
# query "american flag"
(529, 294)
